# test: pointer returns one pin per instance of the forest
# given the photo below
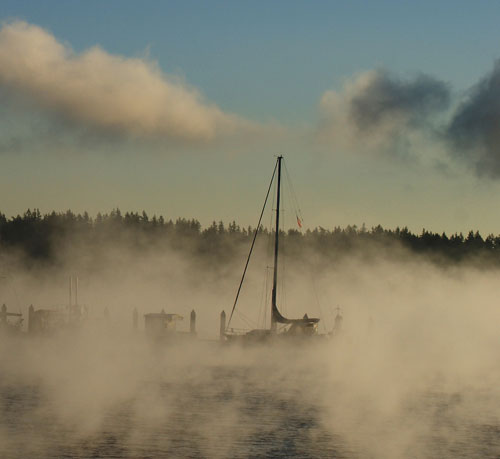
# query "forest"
(40, 239)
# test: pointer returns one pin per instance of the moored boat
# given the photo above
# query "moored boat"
(281, 326)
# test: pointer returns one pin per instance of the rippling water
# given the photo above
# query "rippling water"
(121, 399)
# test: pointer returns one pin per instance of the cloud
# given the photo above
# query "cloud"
(377, 112)
(108, 93)
(474, 131)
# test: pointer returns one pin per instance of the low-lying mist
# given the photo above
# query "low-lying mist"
(413, 372)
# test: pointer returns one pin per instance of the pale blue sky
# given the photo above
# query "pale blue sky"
(267, 62)
(275, 58)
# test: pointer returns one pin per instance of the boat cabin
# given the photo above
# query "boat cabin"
(46, 320)
(303, 327)
(10, 321)
(159, 324)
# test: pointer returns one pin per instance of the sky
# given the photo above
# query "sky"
(386, 112)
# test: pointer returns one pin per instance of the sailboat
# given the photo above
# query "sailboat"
(303, 327)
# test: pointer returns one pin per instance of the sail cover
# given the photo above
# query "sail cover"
(279, 318)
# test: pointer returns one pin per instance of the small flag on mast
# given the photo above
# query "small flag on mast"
(299, 222)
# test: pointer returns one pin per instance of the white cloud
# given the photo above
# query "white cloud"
(107, 92)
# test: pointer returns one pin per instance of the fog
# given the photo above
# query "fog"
(412, 374)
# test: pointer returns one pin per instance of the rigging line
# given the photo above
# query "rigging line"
(293, 205)
(262, 304)
(322, 314)
(268, 299)
(251, 247)
(246, 319)
(283, 260)
(270, 252)
(270, 240)
(292, 192)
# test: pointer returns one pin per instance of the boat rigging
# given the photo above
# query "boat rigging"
(305, 326)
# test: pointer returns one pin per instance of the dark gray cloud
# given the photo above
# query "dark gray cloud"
(386, 97)
(474, 131)
(376, 112)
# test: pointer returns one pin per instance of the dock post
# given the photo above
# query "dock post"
(192, 323)
(222, 330)
(31, 318)
(3, 314)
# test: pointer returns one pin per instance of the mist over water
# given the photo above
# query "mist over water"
(413, 374)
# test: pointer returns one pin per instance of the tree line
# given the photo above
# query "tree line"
(40, 237)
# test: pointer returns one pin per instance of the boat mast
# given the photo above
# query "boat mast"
(274, 307)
